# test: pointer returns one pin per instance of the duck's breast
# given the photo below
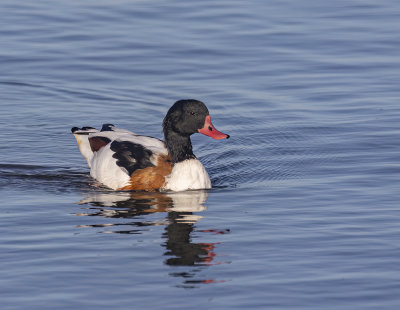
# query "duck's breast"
(186, 175)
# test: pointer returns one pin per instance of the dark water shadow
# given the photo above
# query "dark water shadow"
(51, 179)
(182, 211)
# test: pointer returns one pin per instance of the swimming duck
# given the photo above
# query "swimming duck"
(123, 160)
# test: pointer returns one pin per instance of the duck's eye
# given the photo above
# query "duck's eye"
(192, 113)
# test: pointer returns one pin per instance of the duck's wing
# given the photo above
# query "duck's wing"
(126, 145)
(120, 157)
(133, 151)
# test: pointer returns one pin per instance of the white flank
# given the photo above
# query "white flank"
(188, 174)
(104, 169)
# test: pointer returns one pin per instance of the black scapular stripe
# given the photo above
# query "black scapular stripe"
(131, 156)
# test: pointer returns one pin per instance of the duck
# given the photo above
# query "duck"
(125, 161)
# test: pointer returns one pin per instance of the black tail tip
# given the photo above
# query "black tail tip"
(82, 130)
(107, 127)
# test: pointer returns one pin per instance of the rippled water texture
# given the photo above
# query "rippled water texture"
(304, 210)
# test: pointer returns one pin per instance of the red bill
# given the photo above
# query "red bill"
(211, 131)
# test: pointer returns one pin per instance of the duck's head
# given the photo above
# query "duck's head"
(190, 116)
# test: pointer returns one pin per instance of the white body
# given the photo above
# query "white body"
(185, 175)
(104, 169)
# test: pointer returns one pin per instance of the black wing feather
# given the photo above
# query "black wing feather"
(131, 156)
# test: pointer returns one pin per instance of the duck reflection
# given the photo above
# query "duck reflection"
(179, 245)
(134, 204)
(181, 210)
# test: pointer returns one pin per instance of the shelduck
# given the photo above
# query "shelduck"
(123, 160)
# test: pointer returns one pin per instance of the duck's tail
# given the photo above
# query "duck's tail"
(82, 137)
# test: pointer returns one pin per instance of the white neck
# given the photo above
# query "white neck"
(188, 174)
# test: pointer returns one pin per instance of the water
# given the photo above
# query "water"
(304, 213)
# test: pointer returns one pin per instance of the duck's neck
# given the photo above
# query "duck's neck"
(179, 146)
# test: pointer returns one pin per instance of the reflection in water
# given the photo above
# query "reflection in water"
(180, 223)
(178, 244)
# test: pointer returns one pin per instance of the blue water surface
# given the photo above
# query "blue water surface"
(305, 207)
